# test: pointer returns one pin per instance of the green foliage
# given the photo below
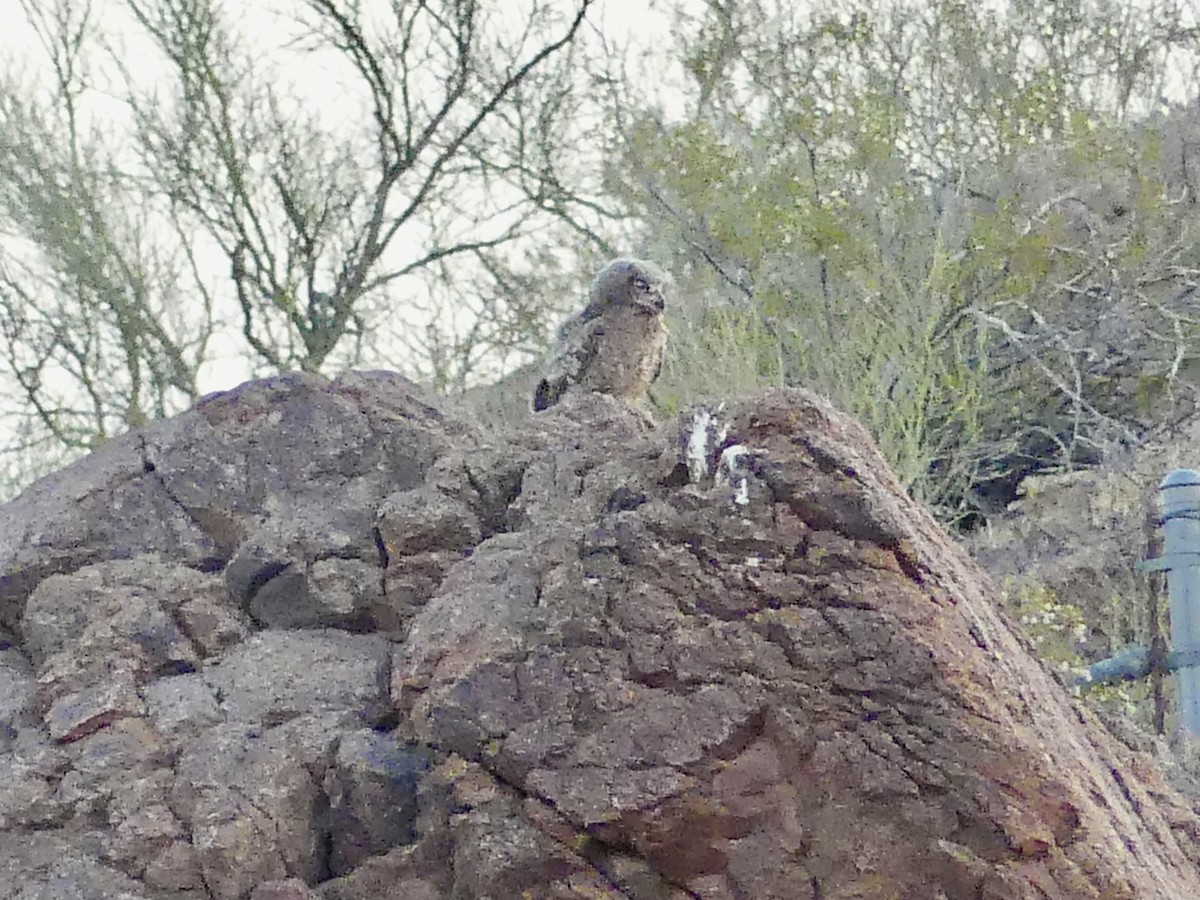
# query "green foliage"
(744, 356)
(926, 212)
(1056, 628)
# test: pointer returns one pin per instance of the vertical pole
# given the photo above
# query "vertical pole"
(1156, 591)
(1180, 495)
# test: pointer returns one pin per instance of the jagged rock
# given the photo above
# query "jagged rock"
(288, 889)
(372, 790)
(98, 635)
(17, 687)
(309, 576)
(115, 771)
(30, 769)
(122, 610)
(148, 844)
(61, 870)
(252, 809)
(274, 676)
(193, 488)
(183, 705)
(386, 877)
(318, 639)
(79, 713)
(423, 520)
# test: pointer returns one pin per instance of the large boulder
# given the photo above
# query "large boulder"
(320, 639)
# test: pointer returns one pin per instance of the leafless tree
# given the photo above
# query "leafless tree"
(357, 183)
(93, 336)
(461, 106)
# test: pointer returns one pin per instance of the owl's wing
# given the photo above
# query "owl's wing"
(578, 345)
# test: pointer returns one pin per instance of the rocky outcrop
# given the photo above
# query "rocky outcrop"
(318, 640)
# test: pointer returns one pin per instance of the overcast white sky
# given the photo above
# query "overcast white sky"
(643, 23)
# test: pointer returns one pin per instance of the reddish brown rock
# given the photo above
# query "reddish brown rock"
(727, 659)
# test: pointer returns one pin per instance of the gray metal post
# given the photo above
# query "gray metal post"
(1180, 498)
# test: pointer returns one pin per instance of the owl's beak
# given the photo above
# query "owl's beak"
(660, 300)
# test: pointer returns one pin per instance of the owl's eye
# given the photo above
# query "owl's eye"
(641, 284)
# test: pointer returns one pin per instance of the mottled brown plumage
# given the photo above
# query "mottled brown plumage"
(615, 345)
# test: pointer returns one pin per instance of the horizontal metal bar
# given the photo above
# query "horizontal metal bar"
(1134, 663)
(1191, 513)
(1168, 562)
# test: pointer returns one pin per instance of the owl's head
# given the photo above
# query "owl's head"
(631, 282)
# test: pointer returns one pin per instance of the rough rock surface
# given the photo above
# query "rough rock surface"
(321, 640)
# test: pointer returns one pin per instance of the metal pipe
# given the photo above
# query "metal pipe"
(1180, 499)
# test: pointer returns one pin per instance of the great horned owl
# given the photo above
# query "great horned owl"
(615, 344)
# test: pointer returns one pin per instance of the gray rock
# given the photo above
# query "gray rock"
(287, 575)
(348, 594)
(83, 712)
(252, 809)
(30, 769)
(99, 634)
(194, 487)
(276, 675)
(112, 771)
(174, 872)
(211, 621)
(313, 738)
(115, 609)
(49, 866)
(283, 601)
(409, 582)
(104, 507)
(17, 686)
(427, 519)
(287, 889)
(183, 705)
(325, 593)
(372, 790)
(621, 668)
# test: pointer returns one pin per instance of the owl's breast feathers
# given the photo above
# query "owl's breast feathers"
(619, 352)
(624, 350)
